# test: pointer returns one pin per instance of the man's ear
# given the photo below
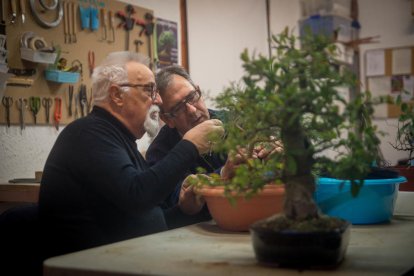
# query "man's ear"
(116, 95)
(168, 121)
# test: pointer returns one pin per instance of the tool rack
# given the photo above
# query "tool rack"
(101, 41)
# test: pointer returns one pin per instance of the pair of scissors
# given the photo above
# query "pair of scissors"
(21, 106)
(91, 62)
(58, 112)
(7, 102)
(34, 104)
(47, 103)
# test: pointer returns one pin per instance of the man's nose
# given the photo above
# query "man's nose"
(190, 108)
(157, 100)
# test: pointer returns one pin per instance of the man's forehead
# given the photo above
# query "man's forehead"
(139, 72)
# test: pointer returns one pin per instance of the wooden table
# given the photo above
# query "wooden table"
(19, 192)
(204, 249)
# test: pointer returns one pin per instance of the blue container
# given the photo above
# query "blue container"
(374, 203)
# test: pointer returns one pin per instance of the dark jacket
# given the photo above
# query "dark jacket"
(166, 140)
(98, 189)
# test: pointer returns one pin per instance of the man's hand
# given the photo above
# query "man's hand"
(189, 202)
(234, 159)
(199, 135)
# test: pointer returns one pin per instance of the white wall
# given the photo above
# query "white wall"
(218, 32)
(393, 22)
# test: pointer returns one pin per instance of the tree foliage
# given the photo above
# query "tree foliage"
(292, 98)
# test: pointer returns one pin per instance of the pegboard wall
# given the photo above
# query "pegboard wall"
(80, 32)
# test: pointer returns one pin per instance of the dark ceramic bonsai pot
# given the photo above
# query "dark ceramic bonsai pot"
(300, 249)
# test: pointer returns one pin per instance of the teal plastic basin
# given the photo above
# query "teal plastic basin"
(374, 203)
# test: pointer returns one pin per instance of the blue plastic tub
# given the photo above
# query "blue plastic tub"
(374, 203)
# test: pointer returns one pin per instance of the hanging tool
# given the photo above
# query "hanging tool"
(57, 5)
(34, 104)
(21, 106)
(66, 23)
(14, 11)
(7, 102)
(74, 40)
(104, 19)
(76, 106)
(58, 112)
(137, 43)
(3, 14)
(127, 22)
(147, 28)
(47, 104)
(111, 26)
(23, 10)
(91, 62)
(70, 100)
(83, 99)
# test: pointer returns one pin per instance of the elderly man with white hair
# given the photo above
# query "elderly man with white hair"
(96, 186)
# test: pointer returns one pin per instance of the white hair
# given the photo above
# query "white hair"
(113, 70)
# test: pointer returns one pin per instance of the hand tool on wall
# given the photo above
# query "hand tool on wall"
(23, 10)
(137, 43)
(34, 104)
(58, 112)
(66, 23)
(3, 13)
(147, 28)
(21, 106)
(70, 92)
(47, 104)
(127, 22)
(56, 5)
(83, 99)
(7, 103)
(14, 11)
(74, 40)
(104, 19)
(91, 62)
(94, 18)
(111, 26)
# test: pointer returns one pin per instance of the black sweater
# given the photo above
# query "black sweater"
(166, 140)
(97, 188)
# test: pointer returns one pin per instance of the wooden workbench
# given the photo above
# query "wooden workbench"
(204, 249)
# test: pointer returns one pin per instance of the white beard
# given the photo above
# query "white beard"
(152, 124)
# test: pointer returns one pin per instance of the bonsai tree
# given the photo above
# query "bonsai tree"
(292, 100)
(405, 133)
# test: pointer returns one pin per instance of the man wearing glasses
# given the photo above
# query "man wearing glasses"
(183, 109)
(96, 187)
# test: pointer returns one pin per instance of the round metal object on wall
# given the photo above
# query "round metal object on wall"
(25, 38)
(42, 22)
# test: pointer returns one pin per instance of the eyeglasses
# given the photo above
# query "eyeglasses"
(179, 108)
(151, 88)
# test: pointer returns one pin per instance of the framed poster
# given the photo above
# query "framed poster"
(166, 41)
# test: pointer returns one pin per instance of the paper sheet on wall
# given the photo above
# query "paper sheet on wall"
(401, 61)
(380, 86)
(375, 63)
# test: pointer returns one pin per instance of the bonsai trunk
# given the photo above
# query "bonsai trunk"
(299, 181)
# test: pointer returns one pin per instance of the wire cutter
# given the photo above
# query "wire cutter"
(34, 104)
(91, 62)
(7, 102)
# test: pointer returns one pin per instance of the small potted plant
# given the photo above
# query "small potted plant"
(292, 98)
(405, 142)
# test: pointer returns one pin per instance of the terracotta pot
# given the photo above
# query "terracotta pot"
(407, 172)
(240, 216)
